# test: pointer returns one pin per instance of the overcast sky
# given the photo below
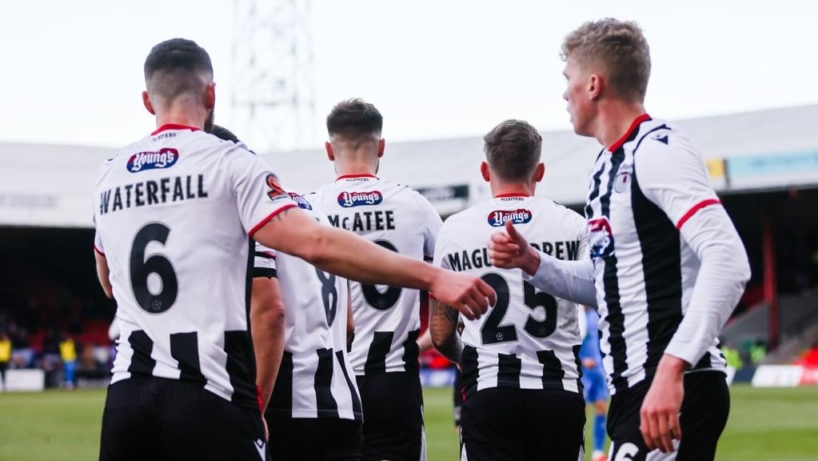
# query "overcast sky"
(72, 70)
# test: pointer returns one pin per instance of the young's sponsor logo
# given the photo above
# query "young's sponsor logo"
(498, 218)
(141, 161)
(353, 199)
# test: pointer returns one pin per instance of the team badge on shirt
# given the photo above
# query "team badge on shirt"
(600, 238)
(275, 187)
(353, 199)
(141, 161)
(498, 218)
(623, 178)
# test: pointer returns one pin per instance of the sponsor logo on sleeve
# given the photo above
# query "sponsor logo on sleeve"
(141, 161)
(600, 238)
(276, 191)
(353, 199)
(301, 201)
(498, 218)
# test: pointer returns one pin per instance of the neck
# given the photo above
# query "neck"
(614, 120)
(526, 190)
(350, 164)
(182, 113)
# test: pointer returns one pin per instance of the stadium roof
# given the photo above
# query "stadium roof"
(52, 185)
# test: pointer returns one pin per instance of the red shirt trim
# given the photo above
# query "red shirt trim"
(101, 253)
(615, 146)
(268, 218)
(696, 207)
(173, 126)
(258, 397)
(347, 176)
(511, 195)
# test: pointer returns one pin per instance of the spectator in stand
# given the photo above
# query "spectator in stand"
(68, 354)
(5, 358)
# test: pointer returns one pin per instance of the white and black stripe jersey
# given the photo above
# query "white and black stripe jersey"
(173, 212)
(387, 319)
(528, 339)
(644, 271)
(315, 379)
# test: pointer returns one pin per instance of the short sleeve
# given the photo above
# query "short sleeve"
(98, 244)
(431, 226)
(258, 192)
(674, 177)
(264, 262)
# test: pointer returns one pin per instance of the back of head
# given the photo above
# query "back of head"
(615, 49)
(176, 67)
(354, 121)
(513, 149)
(224, 134)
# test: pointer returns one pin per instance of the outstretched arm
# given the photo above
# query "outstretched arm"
(571, 280)
(344, 253)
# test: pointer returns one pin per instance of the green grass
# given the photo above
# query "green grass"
(764, 425)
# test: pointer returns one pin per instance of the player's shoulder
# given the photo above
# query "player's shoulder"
(662, 137)
(557, 210)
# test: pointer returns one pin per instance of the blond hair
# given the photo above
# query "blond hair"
(620, 48)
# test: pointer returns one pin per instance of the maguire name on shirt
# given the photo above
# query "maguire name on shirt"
(479, 258)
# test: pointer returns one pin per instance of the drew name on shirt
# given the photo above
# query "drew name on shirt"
(144, 193)
(479, 258)
(365, 221)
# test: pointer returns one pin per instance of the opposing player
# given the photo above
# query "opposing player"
(667, 266)
(520, 369)
(593, 380)
(173, 213)
(315, 409)
(384, 351)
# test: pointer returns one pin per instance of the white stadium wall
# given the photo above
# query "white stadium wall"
(52, 185)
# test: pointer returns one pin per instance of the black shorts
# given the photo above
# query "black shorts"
(505, 424)
(318, 439)
(168, 420)
(705, 408)
(393, 417)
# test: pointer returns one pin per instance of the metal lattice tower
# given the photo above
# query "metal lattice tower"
(273, 93)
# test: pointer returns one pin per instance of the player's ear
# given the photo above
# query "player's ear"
(330, 152)
(595, 83)
(210, 95)
(381, 147)
(484, 171)
(540, 172)
(146, 101)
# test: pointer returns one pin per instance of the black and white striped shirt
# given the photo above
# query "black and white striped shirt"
(315, 379)
(387, 319)
(653, 219)
(528, 339)
(173, 213)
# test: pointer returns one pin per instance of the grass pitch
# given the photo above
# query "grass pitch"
(764, 425)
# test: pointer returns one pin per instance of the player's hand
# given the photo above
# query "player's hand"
(660, 409)
(509, 250)
(468, 294)
(588, 363)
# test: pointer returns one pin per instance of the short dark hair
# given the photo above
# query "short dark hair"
(513, 149)
(180, 62)
(353, 119)
(224, 134)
